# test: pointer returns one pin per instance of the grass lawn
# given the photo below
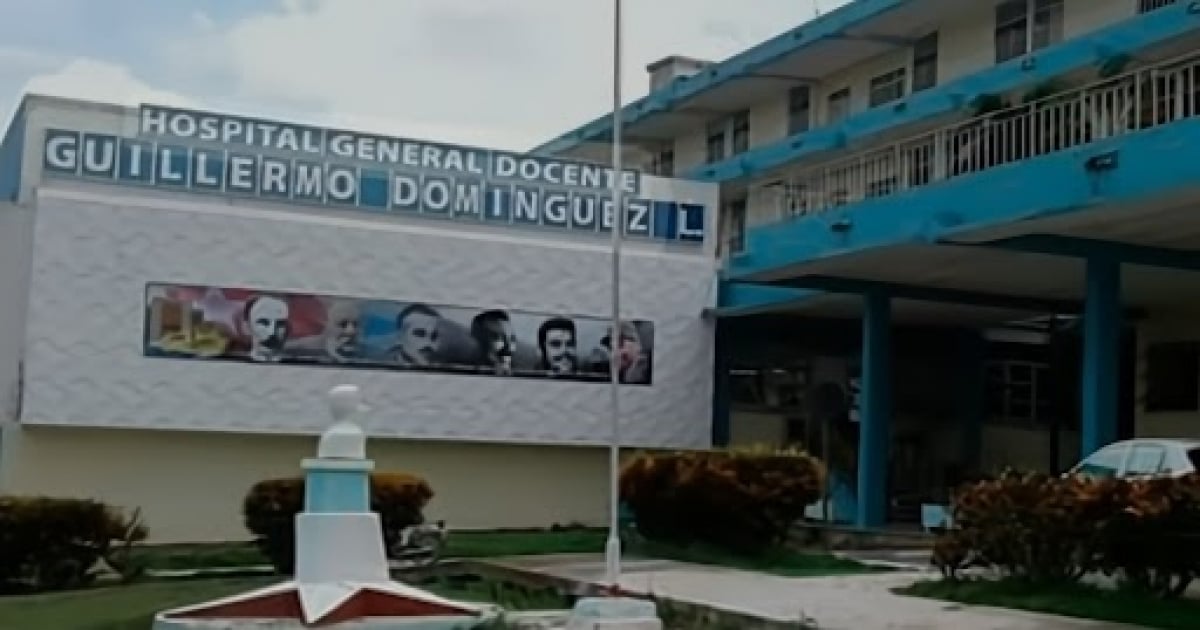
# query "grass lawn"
(784, 562)
(523, 543)
(1069, 600)
(529, 543)
(113, 608)
(459, 545)
(133, 607)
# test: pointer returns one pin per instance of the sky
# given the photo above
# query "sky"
(506, 74)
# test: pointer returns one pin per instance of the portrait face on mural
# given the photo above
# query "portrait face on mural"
(633, 360)
(493, 331)
(558, 343)
(266, 326)
(342, 330)
(418, 335)
(629, 347)
(267, 319)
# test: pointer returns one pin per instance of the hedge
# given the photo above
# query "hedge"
(54, 543)
(1040, 528)
(738, 500)
(271, 505)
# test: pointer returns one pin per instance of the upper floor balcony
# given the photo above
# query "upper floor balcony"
(1051, 119)
(865, 73)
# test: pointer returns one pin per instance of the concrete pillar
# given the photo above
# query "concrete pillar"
(1101, 354)
(875, 412)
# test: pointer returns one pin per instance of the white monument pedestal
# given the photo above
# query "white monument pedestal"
(614, 613)
(342, 578)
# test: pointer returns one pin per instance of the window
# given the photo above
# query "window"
(925, 62)
(716, 142)
(1018, 392)
(1023, 26)
(1105, 462)
(881, 188)
(737, 226)
(1194, 457)
(799, 109)
(795, 199)
(1047, 23)
(663, 163)
(1012, 25)
(761, 387)
(728, 136)
(1146, 6)
(741, 132)
(1145, 459)
(1173, 376)
(839, 105)
(888, 87)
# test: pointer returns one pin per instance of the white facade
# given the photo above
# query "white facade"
(95, 251)
(95, 247)
(76, 383)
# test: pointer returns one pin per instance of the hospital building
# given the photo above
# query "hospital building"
(923, 239)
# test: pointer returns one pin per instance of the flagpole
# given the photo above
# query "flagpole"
(612, 550)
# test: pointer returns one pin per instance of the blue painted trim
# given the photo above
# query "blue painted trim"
(741, 299)
(737, 299)
(933, 294)
(1153, 163)
(744, 64)
(1101, 354)
(12, 154)
(1055, 245)
(337, 492)
(876, 411)
(1125, 37)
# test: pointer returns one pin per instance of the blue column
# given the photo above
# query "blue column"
(972, 395)
(1101, 354)
(722, 414)
(875, 412)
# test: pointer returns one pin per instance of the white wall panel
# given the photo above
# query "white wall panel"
(95, 251)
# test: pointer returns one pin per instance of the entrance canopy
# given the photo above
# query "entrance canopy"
(1016, 237)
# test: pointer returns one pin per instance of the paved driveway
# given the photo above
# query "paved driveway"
(862, 602)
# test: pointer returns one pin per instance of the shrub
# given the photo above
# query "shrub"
(1153, 540)
(743, 501)
(1027, 525)
(270, 508)
(1048, 529)
(52, 543)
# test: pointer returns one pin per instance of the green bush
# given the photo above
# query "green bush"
(1039, 528)
(739, 500)
(270, 508)
(52, 543)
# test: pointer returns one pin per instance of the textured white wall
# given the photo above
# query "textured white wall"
(16, 228)
(95, 250)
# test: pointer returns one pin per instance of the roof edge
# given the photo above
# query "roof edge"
(851, 14)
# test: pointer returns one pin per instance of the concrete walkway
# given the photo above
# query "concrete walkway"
(861, 602)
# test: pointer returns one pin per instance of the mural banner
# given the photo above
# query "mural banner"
(262, 326)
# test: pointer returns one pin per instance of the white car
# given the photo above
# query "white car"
(1142, 457)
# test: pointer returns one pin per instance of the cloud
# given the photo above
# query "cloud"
(97, 80)
(31, 71)
(509, 74)
(25, 62)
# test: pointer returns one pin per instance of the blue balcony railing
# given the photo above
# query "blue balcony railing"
(1148, 97)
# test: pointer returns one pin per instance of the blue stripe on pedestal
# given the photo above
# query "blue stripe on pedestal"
(337, 491)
